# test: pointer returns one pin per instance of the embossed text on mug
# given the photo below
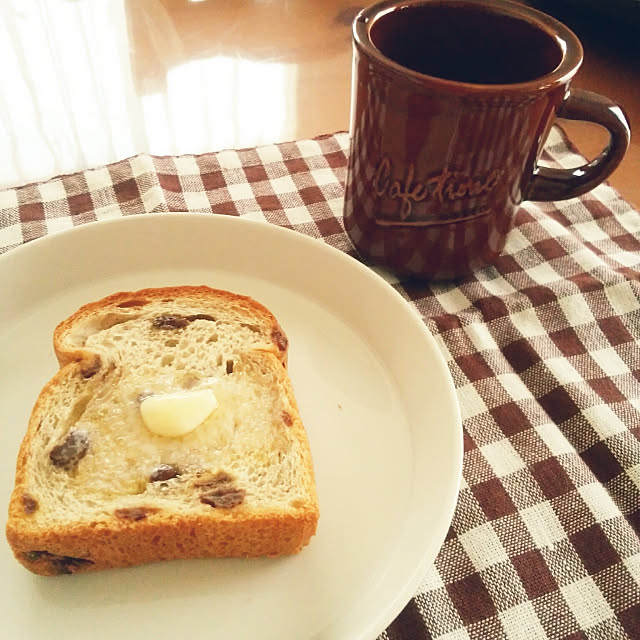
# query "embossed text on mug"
(446, 186)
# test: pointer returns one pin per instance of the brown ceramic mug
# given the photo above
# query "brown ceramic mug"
(452, 101)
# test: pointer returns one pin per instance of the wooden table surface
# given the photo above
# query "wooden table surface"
(611, 67)
(94, 82)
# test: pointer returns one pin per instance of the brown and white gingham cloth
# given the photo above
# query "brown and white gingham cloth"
(544, 351)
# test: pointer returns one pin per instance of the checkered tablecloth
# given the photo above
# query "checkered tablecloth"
(543, 349)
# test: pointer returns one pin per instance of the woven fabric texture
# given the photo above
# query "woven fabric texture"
(544, 351)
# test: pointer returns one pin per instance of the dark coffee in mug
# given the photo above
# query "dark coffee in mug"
(473, 45)
(452, 101)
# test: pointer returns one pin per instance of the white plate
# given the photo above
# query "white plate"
(374, 392)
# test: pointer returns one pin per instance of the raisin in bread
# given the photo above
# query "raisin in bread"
(101, 484)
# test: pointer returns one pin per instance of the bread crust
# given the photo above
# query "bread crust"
(159, 537)
(66, 352)
(155, 533)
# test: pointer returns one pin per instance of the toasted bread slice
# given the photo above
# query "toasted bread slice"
(99, 485)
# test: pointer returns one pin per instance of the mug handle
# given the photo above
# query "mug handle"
(562, 184)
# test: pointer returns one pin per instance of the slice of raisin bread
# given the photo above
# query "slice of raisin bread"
(170, 431)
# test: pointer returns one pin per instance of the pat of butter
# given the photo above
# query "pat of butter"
(178, 413)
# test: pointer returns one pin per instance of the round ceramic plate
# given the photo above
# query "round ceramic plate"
(374, 392)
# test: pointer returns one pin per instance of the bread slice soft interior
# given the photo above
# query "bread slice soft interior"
(96, 488)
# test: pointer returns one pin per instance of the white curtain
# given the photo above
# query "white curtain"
(89, 82)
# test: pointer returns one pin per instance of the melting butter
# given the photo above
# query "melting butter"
(177, 413)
